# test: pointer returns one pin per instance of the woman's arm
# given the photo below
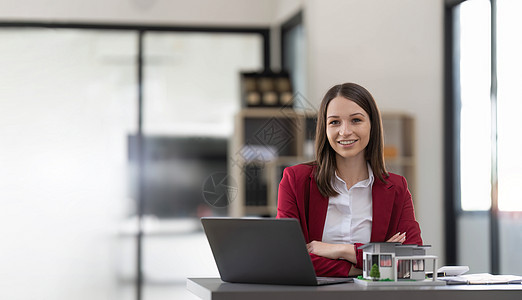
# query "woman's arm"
(333, 267)
(344, 251)
(333, 251)
(333, 259)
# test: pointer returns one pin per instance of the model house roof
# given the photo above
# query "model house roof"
(397, 248)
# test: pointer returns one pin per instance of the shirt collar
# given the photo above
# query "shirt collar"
(339, 183)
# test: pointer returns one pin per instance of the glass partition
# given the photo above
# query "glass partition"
(68, 125)
(191, 97)
(68, 102)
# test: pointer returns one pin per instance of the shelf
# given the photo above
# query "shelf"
(268, 139)
(399, 143)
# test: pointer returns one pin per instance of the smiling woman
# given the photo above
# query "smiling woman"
(346, 198)
(348, 130)
(333, 104)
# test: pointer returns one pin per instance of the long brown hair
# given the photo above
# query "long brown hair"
(325, 154)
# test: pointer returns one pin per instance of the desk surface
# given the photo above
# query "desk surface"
(215, 289)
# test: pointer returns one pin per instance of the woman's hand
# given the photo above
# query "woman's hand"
(397, 238)
(332, 251)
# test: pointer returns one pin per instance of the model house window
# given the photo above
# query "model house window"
(418, 265)
(375, 260)
(403, 269)
(372, 260)
(386, 260)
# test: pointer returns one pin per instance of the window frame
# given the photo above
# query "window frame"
(452, 201)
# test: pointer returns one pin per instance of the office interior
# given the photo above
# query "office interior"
(84, 84)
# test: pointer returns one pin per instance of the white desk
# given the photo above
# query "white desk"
(215, 289)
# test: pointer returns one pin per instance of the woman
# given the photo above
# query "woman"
(346, 198)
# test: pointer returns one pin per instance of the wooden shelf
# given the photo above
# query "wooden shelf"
(265, 141)
(399, 134)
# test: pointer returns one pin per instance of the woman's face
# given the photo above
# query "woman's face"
(347, 128)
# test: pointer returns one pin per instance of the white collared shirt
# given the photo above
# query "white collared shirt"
(349, 215)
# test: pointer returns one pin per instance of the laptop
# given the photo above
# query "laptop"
(262, 250)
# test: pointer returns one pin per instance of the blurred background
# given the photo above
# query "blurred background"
(123, 122)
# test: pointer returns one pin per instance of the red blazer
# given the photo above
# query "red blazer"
(392, 208)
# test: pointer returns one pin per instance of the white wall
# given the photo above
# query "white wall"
(285, 9)
(171, 12)
(395, 50)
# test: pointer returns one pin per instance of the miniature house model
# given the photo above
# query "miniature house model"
(396, 261)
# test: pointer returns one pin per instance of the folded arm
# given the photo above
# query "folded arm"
(346, 252)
